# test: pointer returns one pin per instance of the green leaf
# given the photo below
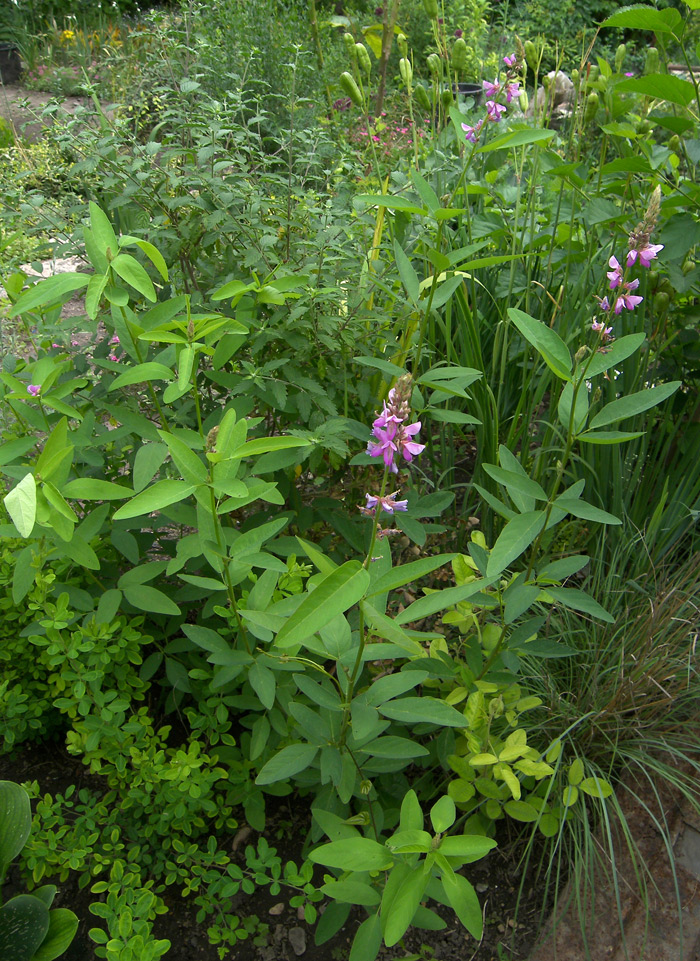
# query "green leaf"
(93, 296)
(521, 811)
(466, 847)
(49, 291)
(153, 254)
(384, 365)
(24, 923)
(403, 894)
(517, 138)
(632, 404)
(443, 814)
(565, 404)
(102, 231)
(21, 505)
(464, 903)
(261, 445)
(439, 600)
(638, 17)
(393, 685)
(367, 940)
(353, 854)
(546, 342)
(130, 270)
(161, 494)
(661, 86)
(516, 482)
(63, 926)
(150, 599)
(579, 601)
(426, 192)
(147, 462)
(333, 595)
(618, 351)
(352, 892)
(423, 710)
(406, 573)
(514, 539)
(579, 508)
(394, 747)
(187, 462)
(608, 436)
(390, 202)
(262, 680)
(92, 489)
(286, 763)
(409, 278)
(15, 822)
(596, 787)
(141, 373)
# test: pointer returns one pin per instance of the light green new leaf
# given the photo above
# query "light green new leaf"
(423, 710)
(638, 17)
(153, 254)
(102, 231)
(466, 847)
(130, 270)
(403, 894)
(141, 373)
(161, 494)
(515, 538)
(337, 592)
(286, 763)
(596, 787)
(443, 814)
(546, 342)
(633, 404)
(464, 903)
(21, 505)
(352, 854)
(399, 576)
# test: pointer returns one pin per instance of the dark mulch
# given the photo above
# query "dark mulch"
(511, 922)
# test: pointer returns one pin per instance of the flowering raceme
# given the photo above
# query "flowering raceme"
(492, 89)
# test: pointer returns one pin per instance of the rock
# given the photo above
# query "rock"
(559, 95)
(277, 908)
(297, 939)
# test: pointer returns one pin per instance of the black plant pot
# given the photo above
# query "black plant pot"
(10, 63)
(468, 90)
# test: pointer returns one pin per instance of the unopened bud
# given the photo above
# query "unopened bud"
(363, 61)
(591, 107)
(523, 100)
(347, 82)
(651, 64)
(531, 55)
(575, 76)
(420, 95)
(593, 73)
(434, 65)
(402, 44)
(460, 56)
(674, 143)
(661, 302)
(406, 71)
(446, 99)
(431, 8)
(581, 354)
(620, 57)
(349, 42)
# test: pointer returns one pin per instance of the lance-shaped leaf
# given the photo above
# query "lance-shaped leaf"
(546, 342)
(515, 538)
(21, 505)
(49, 291)
(155, 498)
(337, 592)
(286, 763)
(633, 404)
(353, 854)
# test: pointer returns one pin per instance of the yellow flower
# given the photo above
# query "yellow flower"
(66, 36)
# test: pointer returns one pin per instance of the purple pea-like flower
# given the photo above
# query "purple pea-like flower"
(34, 389)
(511, 60)
(644, 254)
(512, 91)
(495, 110)
(614, 275)
(491, 89)
(626, 300)
(114, 339)
(471, 133)
(388, 503)
(605, 332)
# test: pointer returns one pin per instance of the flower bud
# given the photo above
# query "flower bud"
(347, 82)
(459, 56)
(363, 61)
(688, 265)
(674, 143)
(531, 55)
(446, 99)
(523, 100)
(431, 8)
(406, 71)
(420, 95)
(620, 57)
(349, 42)
(402, 44)
(593, 73)
(591, 107)
(581, 353)
(434, 65)
(575, 76)
(651, 64)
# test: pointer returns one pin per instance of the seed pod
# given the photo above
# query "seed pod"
(347, 82)
(593, 73)
(406, 71)
(620, 57)
(431, 8)
(688, 265)
(349, 42)
(434, 65)
(675, 143)
(643, 127)
(420, 95)
(661, 303)
(651, 64)
(591, 107)
(575, 76)
(653, 278)
(402, 44)
(531, 55)
(363, 61)
(459, 56)
(446, 99)
(523, 100)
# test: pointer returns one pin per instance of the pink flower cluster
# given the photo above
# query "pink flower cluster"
(624, 299)
(495, 110)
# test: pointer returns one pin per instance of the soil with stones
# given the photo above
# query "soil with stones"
(510, 929)
(22, 108)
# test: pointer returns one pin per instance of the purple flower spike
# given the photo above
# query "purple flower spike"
(34, 389)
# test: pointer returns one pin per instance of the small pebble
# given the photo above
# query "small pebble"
(277, 908)
(297, 939)
(481, 887)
